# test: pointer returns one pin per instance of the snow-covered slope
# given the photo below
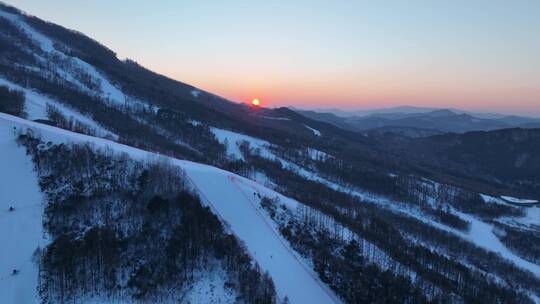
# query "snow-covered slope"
(251, 225)
(36, 108)
(232, 141)
(219, 189)
(21, 230)
(72, 67)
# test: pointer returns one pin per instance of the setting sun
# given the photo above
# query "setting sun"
(255, 102)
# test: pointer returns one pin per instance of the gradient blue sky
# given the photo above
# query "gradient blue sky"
(475, 55)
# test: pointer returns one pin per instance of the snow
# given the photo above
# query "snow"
(482, 235)
(20, 230)
(195, 93)
(195, 123)
(232, 140)
(232, 204)
(249, 187)
(315, 131)
(317, 155)
(108, 90)
(275, 118)
(518, 200)
(35, 107)
(34, 103)
(532, 216)
(45, 43)
(291, 277)
(264, 180)
(257, 192)
(220, 191)
(490, 199)
(210, 289)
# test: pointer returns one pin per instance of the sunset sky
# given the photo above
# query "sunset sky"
(474, 55)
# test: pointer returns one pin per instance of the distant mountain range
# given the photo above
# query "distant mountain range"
(404, 109)
(422, 119)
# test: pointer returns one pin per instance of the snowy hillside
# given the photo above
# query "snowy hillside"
(21, 232)
(293, 279)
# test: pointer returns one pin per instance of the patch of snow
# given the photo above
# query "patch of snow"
(263, 179)
(315, 131)
(232, 141)
(316, 155)
(194, 122)
(195, 93)
(275, 118)
(518, 200)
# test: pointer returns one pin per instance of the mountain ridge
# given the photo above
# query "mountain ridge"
(444, 120)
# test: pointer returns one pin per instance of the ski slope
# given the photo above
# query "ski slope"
(36, 105)
(219, 190)
(20, 230)
(108, 90)
(291, 277)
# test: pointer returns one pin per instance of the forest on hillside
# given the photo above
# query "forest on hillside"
(126, 229)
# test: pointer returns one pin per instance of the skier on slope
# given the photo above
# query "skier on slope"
(11, 209)
(14, 272)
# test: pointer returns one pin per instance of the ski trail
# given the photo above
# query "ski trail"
(21, 230)
(290, 275)
(236, 182)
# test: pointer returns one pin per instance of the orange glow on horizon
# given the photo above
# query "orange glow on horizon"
(256, 102)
